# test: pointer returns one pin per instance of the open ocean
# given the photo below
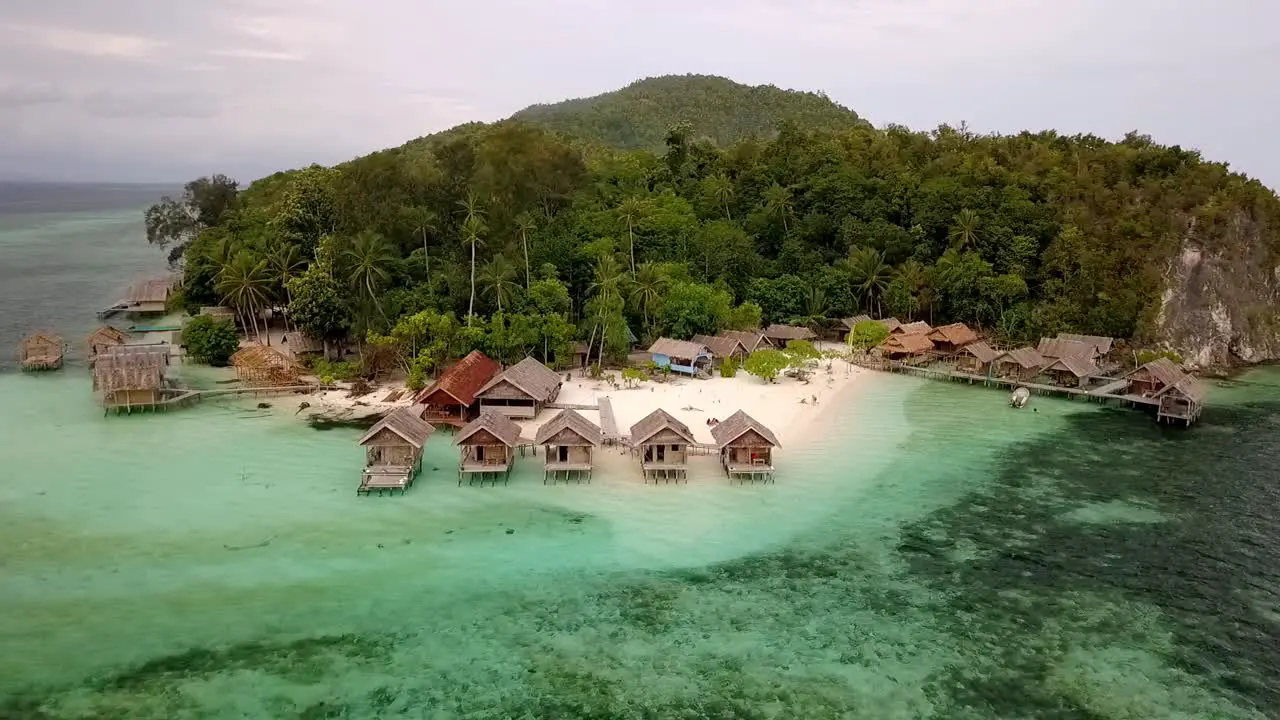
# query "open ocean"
(933, 555)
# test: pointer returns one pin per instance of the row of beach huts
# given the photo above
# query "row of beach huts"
(479, 400)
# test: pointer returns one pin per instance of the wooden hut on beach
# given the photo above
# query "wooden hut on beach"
(522, 390)
(451, 399)
(102, 340)
(682, 356)
(950, 338)
(890, 324)
(264, 366)
(488, 448)
(723, 347)
(899, 347)
(751, 340)
(1022, 364)
(393, 451)
(41, 350)
(131, 377)
(918, 327)
(301, 345)
(568, 440)
(746, 447)
(663, 443)
(1072, 370)
(780, 335)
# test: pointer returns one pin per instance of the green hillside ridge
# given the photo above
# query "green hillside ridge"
(639, 115)
(515, 240)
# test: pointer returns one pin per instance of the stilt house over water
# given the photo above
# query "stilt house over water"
(41, 350)
(1180, 396)
(522, 390)
(663, 443)
(393, 451)
(953, 337)
(1072, 370)
(1055, 348)
(451, 399)
(131, 377)
(102, 340)
(569, 440)
(899, 347)
(263, 366)
(976, 358)
(488, 446)
(918, 327)
(1023, 364)
(746, 447)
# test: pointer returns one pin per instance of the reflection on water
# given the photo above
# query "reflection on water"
(940, 556)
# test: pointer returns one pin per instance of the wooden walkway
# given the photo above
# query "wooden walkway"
(608, 424)
(570, 406)
(1114, 389)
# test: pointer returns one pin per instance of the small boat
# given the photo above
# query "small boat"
(1020, 398)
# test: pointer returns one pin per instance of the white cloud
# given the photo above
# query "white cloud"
(82, 42)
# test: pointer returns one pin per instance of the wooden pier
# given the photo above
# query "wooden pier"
(608, 423)
(176, 398)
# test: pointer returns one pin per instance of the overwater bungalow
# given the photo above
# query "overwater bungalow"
(451, 399)
(488, 448)
(264, 366)
(1152, 379)
(1072, 370)
(918, 327)
(1054, 348)
(682, 356)
(723, 347)
(522, 390)
(976, 358)
(663, 443)
(1183, 401)
(131, 377)
(568, 440)
(750, 339)
(393, 451)
(900, 347)
(102, 340)
(746, 447)
(1023, 364)
(41, 350)
(1100, 343)
(780, 335)
(950, 338)
(149, 297)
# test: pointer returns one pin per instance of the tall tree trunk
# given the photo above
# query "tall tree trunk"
(471, 305)
(631, 234)
(528, 278)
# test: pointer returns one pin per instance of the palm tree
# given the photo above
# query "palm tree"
(525, 225)
(472, 228)
(245, 285)
(630, 210)
(368, 261)
(423, 221)
(648, 287)
(721, 188)
(496, 278)
(964, 234)
(777, 201)
(286, 264)
(869, 274)
(606, 287)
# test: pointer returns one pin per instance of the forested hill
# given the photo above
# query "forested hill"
(639, 115)
(514, 239)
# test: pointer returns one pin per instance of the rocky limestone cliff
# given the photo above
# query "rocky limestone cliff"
(1221, 302)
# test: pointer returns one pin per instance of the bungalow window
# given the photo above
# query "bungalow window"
(562, 453)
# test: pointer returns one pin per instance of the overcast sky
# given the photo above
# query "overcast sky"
(166, 90)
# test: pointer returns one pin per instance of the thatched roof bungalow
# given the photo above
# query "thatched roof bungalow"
(746, 447)
(904, 346)
(1072, 370)
(780, 335)
(521, 390)
(918, 327)
(1154, 377)
(149, 297)
(1058, 348)
(1020, 364)
(102, 340)
(1101, 343)
(41, 350)
(130, 376)
(488, 446)
(950, 338)
(750, 339)
(850, 323)
(723, 347)
(393, 451)
(265, 366)
(1183, 401)
(682, 356)
(976, 357)
(569, 440)
(890, 324)
(451, 399)
(301, 345)
(663, 443)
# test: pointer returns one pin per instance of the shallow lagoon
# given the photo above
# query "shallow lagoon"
(937, 555)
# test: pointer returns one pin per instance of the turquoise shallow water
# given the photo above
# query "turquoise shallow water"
(940, 556)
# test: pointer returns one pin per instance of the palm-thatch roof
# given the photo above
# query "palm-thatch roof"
(530, 377)
(1059, 348)
(41, 348)
(406, 423)
(566, 425)
(1078, 365)
(1027, 358)
(918, 327)
(130, 367)
(261, 364)
(914, 344)
(852, 322)
(721, 346)
(750, 339)
(490, 423)
(982, 351)
(1100, 342)
(1162, 370)
(891, 324)
(734, 426)
(786, 333)
(683, 349)
(654, 423)
(103, 338)
(150, 294)
(1190, 387)
(301, 343)
(462, 380)
(956, 334)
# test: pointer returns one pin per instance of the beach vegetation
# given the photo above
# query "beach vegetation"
(729, 368)
(1147, 356)
(210, 340)
(336, 370)
(767, 364)
(867, 334)
(633, 376)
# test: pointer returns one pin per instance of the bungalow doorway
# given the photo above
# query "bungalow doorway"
(562, 454)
